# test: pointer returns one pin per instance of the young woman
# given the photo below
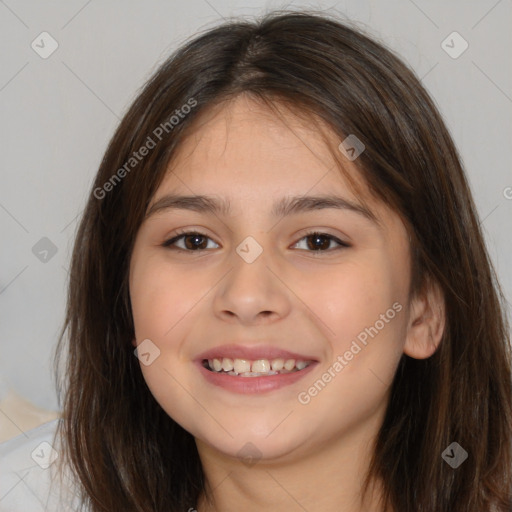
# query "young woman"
(280, 297)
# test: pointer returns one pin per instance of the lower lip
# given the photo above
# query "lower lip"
(253, 385)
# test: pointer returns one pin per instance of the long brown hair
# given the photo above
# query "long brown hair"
(126, 452)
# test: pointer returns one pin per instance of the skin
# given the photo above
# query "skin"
(308, 456)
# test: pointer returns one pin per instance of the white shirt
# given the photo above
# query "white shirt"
(28, 475)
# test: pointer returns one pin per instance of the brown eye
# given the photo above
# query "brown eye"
(193, 241)
(320, 242)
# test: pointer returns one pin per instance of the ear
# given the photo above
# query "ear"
(427, 317)
(134, 342)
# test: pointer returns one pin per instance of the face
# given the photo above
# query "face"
(280, 327)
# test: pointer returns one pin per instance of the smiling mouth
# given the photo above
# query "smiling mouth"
(256, 368)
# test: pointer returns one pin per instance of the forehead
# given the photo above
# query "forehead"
(245, 145)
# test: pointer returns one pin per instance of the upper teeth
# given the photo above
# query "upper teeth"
(260, 366)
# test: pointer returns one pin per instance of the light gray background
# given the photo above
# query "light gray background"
(57, 115)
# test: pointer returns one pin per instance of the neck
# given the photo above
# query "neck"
(325, 478)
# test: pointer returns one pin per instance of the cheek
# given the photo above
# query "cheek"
(163, 300)
(363, 315)
(160, 297)
(361, 306)
(351, 297)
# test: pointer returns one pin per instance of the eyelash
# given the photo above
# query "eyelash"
(183, 234)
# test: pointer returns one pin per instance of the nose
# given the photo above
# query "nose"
(252, 292)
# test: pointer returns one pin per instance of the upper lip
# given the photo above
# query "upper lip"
(251, 353)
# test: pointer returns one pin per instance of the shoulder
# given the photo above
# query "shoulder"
(28, 478)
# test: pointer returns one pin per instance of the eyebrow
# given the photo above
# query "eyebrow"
(286, 206)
